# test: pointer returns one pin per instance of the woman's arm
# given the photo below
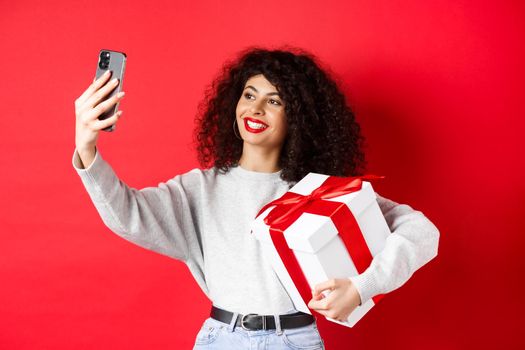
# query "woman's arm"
(412, 243)
(156, 218)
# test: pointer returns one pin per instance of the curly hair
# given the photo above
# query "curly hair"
(323, 135)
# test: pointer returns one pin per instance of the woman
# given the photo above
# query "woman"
(271, 117)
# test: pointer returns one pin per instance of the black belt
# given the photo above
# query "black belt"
(254, 322)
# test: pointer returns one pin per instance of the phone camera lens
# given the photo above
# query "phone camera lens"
(104, 60)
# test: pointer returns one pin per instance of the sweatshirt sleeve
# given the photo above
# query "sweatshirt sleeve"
(412, 243)
(155, 218)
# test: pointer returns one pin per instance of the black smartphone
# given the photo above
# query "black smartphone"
(115, 62)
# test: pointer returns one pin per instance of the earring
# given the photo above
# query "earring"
(235, 128)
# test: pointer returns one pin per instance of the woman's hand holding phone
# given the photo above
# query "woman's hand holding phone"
(88, 107)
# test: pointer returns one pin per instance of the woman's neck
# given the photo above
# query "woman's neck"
(259, 159)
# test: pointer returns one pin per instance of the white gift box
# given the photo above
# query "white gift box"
(317, 246)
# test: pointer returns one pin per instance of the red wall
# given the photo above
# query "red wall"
(437, 86)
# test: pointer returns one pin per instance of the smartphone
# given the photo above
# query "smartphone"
(116, 62)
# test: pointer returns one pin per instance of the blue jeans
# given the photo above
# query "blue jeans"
(216, 335)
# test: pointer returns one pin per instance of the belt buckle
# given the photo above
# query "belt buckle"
(242, 322)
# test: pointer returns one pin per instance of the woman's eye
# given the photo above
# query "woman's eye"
(248, 96)
(275, 102)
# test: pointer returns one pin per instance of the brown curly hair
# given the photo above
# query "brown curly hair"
(323, 135)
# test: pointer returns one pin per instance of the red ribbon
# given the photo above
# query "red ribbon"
(291, 206)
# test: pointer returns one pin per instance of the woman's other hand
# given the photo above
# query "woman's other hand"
(341, 300)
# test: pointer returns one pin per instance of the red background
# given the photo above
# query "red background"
(438, 88)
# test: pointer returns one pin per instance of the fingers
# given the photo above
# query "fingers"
(315, 304)
(97, 83)
(318, 296)
(328, 307)
(320, 302)
(94, 113)
(340, 300)
(102, 124)
(100, 94)
(331, 314)
(330, 284)
(321, 296)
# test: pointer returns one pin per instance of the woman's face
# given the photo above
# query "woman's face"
(260, 114)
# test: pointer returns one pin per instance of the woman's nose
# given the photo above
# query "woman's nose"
(257, 108)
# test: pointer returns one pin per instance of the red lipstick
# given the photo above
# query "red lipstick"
(257, 125)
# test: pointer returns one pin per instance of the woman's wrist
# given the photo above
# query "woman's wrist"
(87, 155)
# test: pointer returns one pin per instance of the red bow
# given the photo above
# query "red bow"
(291, 202)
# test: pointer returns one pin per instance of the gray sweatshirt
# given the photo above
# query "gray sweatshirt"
(203, 217)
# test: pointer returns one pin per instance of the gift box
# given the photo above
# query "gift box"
(324, 227)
